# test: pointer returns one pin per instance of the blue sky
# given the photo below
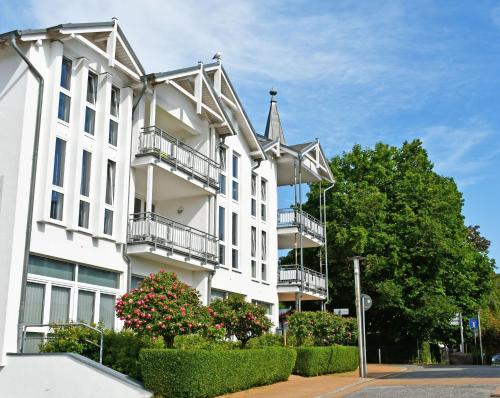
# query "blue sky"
(347, 71)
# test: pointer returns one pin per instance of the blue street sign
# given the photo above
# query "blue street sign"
(473, 323)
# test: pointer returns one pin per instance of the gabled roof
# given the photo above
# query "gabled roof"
(273, 126)
(106, 38)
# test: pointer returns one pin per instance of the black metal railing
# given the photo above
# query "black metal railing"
(294, 217)
(154, 141)
(314, 281)
(171, 235)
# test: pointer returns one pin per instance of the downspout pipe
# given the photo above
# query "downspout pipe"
(125, 256)
(326, 242)
(31, 198)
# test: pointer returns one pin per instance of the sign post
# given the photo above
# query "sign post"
(480, 338)
(360, 316)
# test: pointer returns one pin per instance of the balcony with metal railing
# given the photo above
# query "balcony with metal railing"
(291, 222)
(157, 237)
(182, 159)
(291, 280)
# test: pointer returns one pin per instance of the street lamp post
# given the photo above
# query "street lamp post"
(360, 315)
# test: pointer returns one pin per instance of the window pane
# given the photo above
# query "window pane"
(216, 294)
(94, 276)
(86, 167)
(222, 254)
(83, 215)
(64, 107)
(253, 238)
(254, 269)
(107, 310)
(33, 310)
(59, 304)
(51, 268)
(263, 212)
(222, 223)
(253, 209)
(234, 258)
(222, 184)
(56, 205)
(115, 101)
(66, 73)
(108, 222)
(85, 311)
(235, 166)
(222, 158)
(254, 184)
(264, 246)
(89, 126)
(264, 272)
(59, 162)
(113, 133)
(136, 281)
(235, 190)
(263, 189)
(32, 342)
(234, 229)
(110, 182)
(91, 88)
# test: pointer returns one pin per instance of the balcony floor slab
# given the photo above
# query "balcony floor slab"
(288, 292)
(286, 238)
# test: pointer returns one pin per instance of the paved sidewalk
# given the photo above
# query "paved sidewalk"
(327, 386)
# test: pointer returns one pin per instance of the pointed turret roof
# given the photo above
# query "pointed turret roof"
(273, 126)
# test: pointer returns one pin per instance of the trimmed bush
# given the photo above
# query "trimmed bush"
(314, 361)
(209, 373)
(200, 342)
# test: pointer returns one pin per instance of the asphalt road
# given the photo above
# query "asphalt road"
(435, 381)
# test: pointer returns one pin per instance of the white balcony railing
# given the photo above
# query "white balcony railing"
(156, 142)
(175, 237)
(291, 275)
(294, 217)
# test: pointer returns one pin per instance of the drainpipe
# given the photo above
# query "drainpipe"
(31, 198)
(259, 161)
(125, 256)
(301, 237)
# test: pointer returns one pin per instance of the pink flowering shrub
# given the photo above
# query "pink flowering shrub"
(240, 318)
(164, 306)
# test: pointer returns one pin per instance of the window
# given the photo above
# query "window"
(115, 101)
(136, 281)
(59, 304)
(35, 293)
(110, 182)
(263, 212)
(222, 158)
(268, 307)
(253, 264)
(222, 223)
(113, 133)
(59, 161)
(264, 272)
(107, 310)
(51, 268)
(235, 166)
(222, 254)
(234, 229)
(91, 88)
(83, 214)
(66, 73)
(235, 193)
(254, 184)
(56, 205)
(222, 184)
(253, 243)
(234, 258)
(263, 253)
(253, 207)
(85, 309)
(263, 189)
(89, 126)
(216, 294)
(253, 191)
(108, 222)
(86, 167)
(64, 107)
(99, 277)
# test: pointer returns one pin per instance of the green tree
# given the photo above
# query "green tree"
(421, 266)
(240, 318)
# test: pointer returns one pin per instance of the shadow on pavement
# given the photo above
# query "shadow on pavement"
(447, 372)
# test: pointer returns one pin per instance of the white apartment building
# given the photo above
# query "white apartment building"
(108, 174)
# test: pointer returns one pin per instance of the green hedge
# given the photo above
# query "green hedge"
(203, 373)
(314, 361)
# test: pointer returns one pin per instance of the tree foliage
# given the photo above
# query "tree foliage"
(420, 264)
(240, 318)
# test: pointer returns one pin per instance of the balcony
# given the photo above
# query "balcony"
(289, 226)
(179, 157)
(290, 283)
(155, 237)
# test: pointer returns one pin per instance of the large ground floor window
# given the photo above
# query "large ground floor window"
(60, 292)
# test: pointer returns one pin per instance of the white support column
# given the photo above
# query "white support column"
(111, 45)
(152, 109)
(149, 189)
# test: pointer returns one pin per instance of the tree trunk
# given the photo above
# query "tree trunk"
(169, 341)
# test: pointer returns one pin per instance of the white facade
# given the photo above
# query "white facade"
(128, 182)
